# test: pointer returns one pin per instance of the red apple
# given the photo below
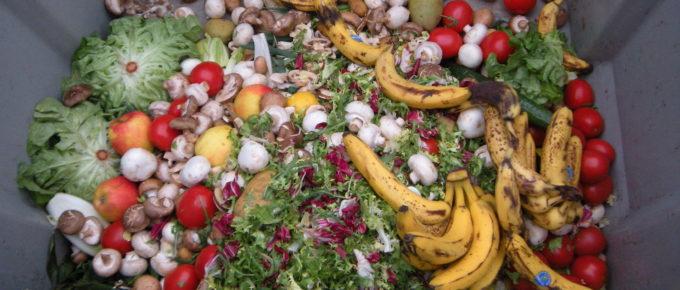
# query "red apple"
(112, 197)
(130, 131)
(247, 102)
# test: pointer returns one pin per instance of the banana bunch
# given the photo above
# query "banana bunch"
(547, 22)
(523, 259)
(549, 196)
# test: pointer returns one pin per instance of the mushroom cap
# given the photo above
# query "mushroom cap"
(143, 245)
(106, 262)
(134, 219)
(70, 222)
(133, 265)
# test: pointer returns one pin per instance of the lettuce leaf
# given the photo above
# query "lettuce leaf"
(69, 152)
(127, 69)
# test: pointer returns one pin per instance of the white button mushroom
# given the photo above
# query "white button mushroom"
(194, 171)
(106, 262)
(390, 127)
(168, 233)
(91, 231)
(370, 134)
(169, 191)
(138, 164)
(357, 113)
(429, 52)
(483, 153)
(164, 262)
(373, 4)
(597, 213)
(314, 119)
(133, 265)
(279, 116)
(396, 16)
(144, 245)
(471, 122)
(536, 234)
(253, 3)
(470, 55)
(397, 2)
(245, 69)
(215, 8)
(422, 169)
(189, 64)
(475, 34)
(199, 92)
(256, 79)
(243, 34)
(253, 157)
(335, 139)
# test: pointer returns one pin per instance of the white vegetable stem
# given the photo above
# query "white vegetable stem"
(62, 202)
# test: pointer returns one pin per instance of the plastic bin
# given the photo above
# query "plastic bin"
(635, 49)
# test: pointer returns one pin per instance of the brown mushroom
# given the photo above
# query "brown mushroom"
(158, 207)
(146, 282)
(189, 107)
(232, 4)
(191, 240)
(483, 16)
(149, 186)
(267, 21)
(272, 98)
(70, 222)
(260, 65)
(430, 69)
(285, 24)
(184, 123)
(375, 19)
(288, 135)
(232, 85)
(79, 257)
(250, 15)
(134, 219)
(76, 94)
(184, 254)
(215, 235)
(352, 19)
(411, 30)
(358, 7)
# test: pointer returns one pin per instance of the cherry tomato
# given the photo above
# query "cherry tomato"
(542, 257)
(176, 107)
(498, 43)
(579, 134)
(203, 259)
(598, 193)
(589, 121)
(603, 147)
(594, 167)
(538, 134)
(195, 207)
(589, 241)
(572, 278)
(448, 39)
(578, 94)
(429, 145)
(115, 237)
(519, 6)
(183, 277)
(161, 134)
(591, 270)
(457, 14)
(210, 73)
(559, 253)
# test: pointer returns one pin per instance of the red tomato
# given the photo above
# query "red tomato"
(542, 257)
(195, 207)
(594, 167)
(457, 14)
(519, 6)
(161, 134)
(577, 132)
(115, 237)
(210, 73)
(591, 270)
(603, 147)
(560, 255)
(572, 278)
(448, 39)
(538, 134)
(589, 242)
(176, 107)
(183, 277)
(589, 121)
(523, 284)
(203, 259)
(498, 43)
(579, 94)
(429, 145)
(598, 193)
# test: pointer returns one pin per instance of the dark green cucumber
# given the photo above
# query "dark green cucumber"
(538, 115)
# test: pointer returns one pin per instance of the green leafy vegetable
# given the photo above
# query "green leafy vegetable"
(535, 69)
(68, 150)
(213, 49)
(127, 69)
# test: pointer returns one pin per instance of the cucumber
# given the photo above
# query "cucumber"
(538, 115)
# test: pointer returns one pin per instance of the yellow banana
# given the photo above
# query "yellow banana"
(530, 152)
(540, 203)
(523, 259)
(499, 95)
(547, 19)
(389, 188)
(573, 160)
(575, 64)
(332, 25)
(492, 273)
(414, 95)
(554, 218)
(483, 249)
(495, 135)
(521, 126)
(553, 154)
(508, 206)
(454, 243)
(302, 5)
(407, 222)
(418, 263)
(532, 183)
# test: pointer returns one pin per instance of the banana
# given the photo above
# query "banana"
(540, 203)
(416, 96)
(483, 249)
(332, 25)
(531, 183)
(547, 19)
(553, 154)
(407, 222)
(302, 5)
(575, 64)
(530, 152)
(521, 127)
(533, 269)
(389, 188)
(492, 273)
(573, 160)
(418, 263)
(499, 95)
(454, 243)
(508, 205)
(495, 135)
(554, 218)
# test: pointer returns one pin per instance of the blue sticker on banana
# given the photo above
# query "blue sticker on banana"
(543, 279)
